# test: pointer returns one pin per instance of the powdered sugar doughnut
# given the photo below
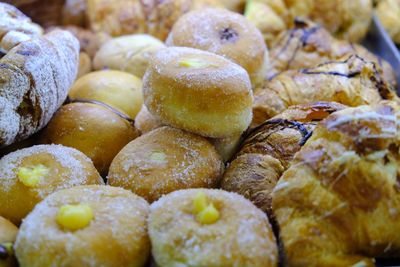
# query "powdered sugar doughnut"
(198, 91)
(165, 160)
(145, 122)
(224, 33)
(204, 227)
(112, 230)
(28, 175)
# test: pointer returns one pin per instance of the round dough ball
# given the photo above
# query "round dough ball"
(240, 236)
(29, 175)
(130, 53)
(116, 234)
(120, 90)
(199, 92)
(85, 64)
(8, 233)
(165, 160)
(227, 147)
(93, 129)
(224, 33)
(145, 122)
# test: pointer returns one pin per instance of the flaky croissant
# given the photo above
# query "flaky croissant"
(338, 204)
(268, 150)
(352, 82)
(35, 76)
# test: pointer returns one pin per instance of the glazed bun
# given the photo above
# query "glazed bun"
(199, 92)
(165, 160)
(146, 122)
(204, 227)
(86, 226)
(224, 33)
(28, 175)
(130, 53)
(93, 129)
(8, 233)
(120, 90)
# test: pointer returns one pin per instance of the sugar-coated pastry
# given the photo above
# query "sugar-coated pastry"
(338, 204)
(86, 226)
(198, 91)
(165, 160)
(28, 175)
(267, 151)
(130, 53)
(226, 147)
(97, 131)
(224, 33)
(8, 233)
(205, 227)
(121, 90)
(146, 122)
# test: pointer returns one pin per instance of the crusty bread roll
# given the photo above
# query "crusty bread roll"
(36, 76)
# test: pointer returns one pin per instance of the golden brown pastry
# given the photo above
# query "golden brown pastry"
(8, 233)
(227, 146)
(225, 33)
(198, 91)
(388, 12)
(307, 44)
(165, 160)
(345, 19)
(130, 53)
(145, 122)
(338, 203)
(233, 5)
(99, 131)
(85, 64)
(120, 90)
(121, 17)
(267, 151)
(204, 227)
(353, 82)
(74, 13)
(29, 175)
(86, 226)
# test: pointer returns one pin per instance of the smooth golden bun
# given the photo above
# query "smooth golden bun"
(8, 233)
(121, 90)
(165, 160)
(146, 122)
(224, 33)
(85, 64)
(198, 91)
(226, 147)
(242, 235)
(130, 53)
(57, 167)
(338, 203)
(116, 235)
(91, 128)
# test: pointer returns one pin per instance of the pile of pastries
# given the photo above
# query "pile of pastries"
(208, 133)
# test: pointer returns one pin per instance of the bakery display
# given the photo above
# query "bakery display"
(130, 53)
(337, 204)
(28, 175)
(200, 227)
(165, 160)
(8, 233)
(94, 129)
(224, 33)
(268, 150)
(345, 19)
(86, 226)
(120, 90)
(201, 133)
(198, 91)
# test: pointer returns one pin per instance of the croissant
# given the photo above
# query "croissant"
(338, 204)
(307, 44)
(345, 19)
(352, 82)
(268, 150)
(35, 76)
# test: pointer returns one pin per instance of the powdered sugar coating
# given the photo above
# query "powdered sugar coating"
(67, 167)
(242, 236)
(116, 236)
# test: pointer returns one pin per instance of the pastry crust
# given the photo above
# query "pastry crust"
(116, 236)
(338, 203)
(35, 78)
